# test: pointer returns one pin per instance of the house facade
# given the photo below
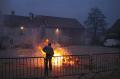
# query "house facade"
(63, 30)
(28, 31)
(19, 31)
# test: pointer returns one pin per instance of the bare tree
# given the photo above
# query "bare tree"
(96, 24)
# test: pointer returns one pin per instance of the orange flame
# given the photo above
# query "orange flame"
(59, 51)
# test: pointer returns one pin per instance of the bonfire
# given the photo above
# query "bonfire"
(60, 53)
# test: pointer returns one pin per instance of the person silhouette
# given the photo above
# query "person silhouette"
(48, 59)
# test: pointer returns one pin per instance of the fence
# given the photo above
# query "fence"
(33, 67)
(20, 68)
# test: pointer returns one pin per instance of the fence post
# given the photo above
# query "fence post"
(91, 64)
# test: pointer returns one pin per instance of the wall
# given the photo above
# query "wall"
(29, 35)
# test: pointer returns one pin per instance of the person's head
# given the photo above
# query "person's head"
(49, 44)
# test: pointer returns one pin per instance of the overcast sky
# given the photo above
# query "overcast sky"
(63, 8)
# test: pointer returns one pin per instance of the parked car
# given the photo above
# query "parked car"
(112, 42)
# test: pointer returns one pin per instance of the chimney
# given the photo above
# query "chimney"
(13, 12)
(0, 12)
(31, 15)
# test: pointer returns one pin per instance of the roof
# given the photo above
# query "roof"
(60, 22)
(48, 21)
(115, 27)
(15, 21)
(114, 31)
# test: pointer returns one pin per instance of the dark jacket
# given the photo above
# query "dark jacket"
(49, 51)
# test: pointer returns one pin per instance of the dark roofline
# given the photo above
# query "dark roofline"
(58, 22)
(115, 26)
(54, 17)
(48, 21)
(114, 31)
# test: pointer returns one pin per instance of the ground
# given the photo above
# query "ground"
(74, 50)
(78, 50)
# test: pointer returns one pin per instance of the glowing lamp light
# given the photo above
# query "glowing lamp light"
(21, 27)
(57, 30)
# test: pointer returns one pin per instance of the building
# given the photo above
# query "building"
(113, 35)
(27, 31)
(63, 30)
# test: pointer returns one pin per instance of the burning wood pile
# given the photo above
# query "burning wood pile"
(60, 53)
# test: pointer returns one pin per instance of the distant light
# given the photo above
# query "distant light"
(21, 27)
(57, 30)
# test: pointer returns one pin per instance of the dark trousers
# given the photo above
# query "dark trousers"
(48, 65)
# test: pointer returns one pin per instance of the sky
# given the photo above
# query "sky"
(63, 8)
